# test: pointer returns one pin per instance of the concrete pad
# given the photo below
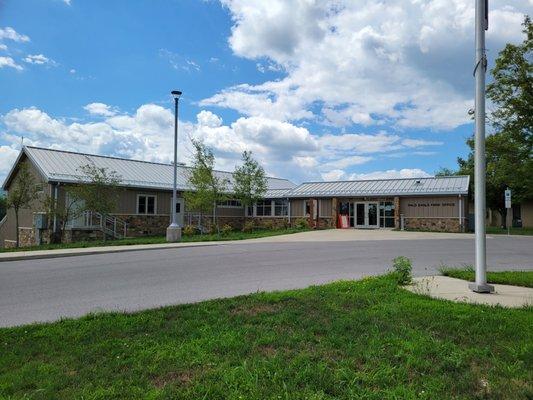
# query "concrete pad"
(444, 287)
(348, 235)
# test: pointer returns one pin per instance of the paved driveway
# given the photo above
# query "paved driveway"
(47, 289)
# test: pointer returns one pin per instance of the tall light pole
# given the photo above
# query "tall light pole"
(174, 230)
(480, 69)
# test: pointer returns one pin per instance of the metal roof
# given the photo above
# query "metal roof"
(439, 185)
(64, 166)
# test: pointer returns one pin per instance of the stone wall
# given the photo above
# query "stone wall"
(433, 224)
(146, 225)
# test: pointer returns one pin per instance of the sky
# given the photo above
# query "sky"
(317, 90)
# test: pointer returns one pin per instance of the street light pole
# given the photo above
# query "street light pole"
(174, 230)
(480, 284)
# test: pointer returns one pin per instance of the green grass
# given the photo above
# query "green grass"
(368, 339)
(235, 235)
(494, 230)
(517, 278)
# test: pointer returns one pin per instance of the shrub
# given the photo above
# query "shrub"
(226, 229)
(248, 226)
(402, 269)
(189, 230)
(268, 224)
(301, 223)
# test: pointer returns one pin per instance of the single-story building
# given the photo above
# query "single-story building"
(145, 201)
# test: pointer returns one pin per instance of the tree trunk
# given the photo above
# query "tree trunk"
(17, 227)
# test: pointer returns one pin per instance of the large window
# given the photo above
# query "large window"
(264, 208)
(386, 214)
(146, 204)
(281, 208)
(231, 203)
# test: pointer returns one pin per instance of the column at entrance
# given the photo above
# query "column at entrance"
(396, 212)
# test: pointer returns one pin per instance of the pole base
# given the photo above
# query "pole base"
(485, 288)
(173, 234)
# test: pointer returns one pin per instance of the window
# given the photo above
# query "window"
(281, 208)
(264, 208)
(386, 214)
(146, 204)
(231, 203)
(178, 207)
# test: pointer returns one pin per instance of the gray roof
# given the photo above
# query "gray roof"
(64, 166)
(440, 185)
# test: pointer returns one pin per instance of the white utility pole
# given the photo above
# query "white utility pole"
(482, 23)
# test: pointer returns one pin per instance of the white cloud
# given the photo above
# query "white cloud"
(284, 149)
(8, 155)
(398, 62)
(10, 34)
(100, 109)
(9, 62)
(391, 174)
(3, 47)
(72, 71)
(38, 59)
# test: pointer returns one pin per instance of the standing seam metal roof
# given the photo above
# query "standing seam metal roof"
(64, 166)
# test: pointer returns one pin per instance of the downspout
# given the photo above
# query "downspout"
(460, 213)
(55, 207)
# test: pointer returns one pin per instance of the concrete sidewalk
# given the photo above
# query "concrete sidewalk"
(444, 287)
(82, 251)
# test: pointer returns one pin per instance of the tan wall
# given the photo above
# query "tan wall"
(431, 207)
(324, 208)
(297, 207)
(526, 212)
(8, 227)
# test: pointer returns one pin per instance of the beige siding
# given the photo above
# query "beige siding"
(297, 208)
(430, 207)
(526, 212)
(324, 208)
(8, 227)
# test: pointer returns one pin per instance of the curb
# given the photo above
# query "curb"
(92, 251)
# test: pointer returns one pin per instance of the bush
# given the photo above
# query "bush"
(248, 226)
(301, 223)
(268, 224)
(189, 230)
(402, 270)
(226, 229)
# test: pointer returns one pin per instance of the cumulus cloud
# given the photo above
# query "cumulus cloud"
(8, 155)
(9, 62)
(3, 47)
(391, 174)
(284, 149)
(362, 62)
(100, 109)
(10, 34)
(38, 59)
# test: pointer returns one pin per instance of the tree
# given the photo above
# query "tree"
(443, 171)
(100, 193)
(509, 150)
(207, 189)
(250, 184)
(3, 206)
(63, 213)
(22, 193)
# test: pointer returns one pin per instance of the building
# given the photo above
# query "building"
(144, 206)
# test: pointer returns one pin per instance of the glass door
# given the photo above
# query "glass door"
(360, 215)
(372, 215)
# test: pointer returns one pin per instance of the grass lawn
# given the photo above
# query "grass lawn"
(517, 278)
(494, 230)
(235, 235)
(368, 339)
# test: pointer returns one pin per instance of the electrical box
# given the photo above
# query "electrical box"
(40, 221)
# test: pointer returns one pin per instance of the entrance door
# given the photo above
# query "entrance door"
(366, 215)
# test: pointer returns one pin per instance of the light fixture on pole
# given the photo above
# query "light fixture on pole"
(482, 24)
(174, 230)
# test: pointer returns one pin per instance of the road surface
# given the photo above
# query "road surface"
(48, 289)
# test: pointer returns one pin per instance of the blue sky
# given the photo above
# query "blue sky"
(317, 90)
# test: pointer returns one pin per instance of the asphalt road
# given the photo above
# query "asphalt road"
(48, 289)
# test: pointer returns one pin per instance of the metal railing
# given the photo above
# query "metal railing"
(108, 224)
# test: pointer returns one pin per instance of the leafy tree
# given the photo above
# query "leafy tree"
(22, 193)
(63, 213)
(3, 206)
(100, 193)
(207, 188)
(250, 184)
(509, 150)
(443, 171)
